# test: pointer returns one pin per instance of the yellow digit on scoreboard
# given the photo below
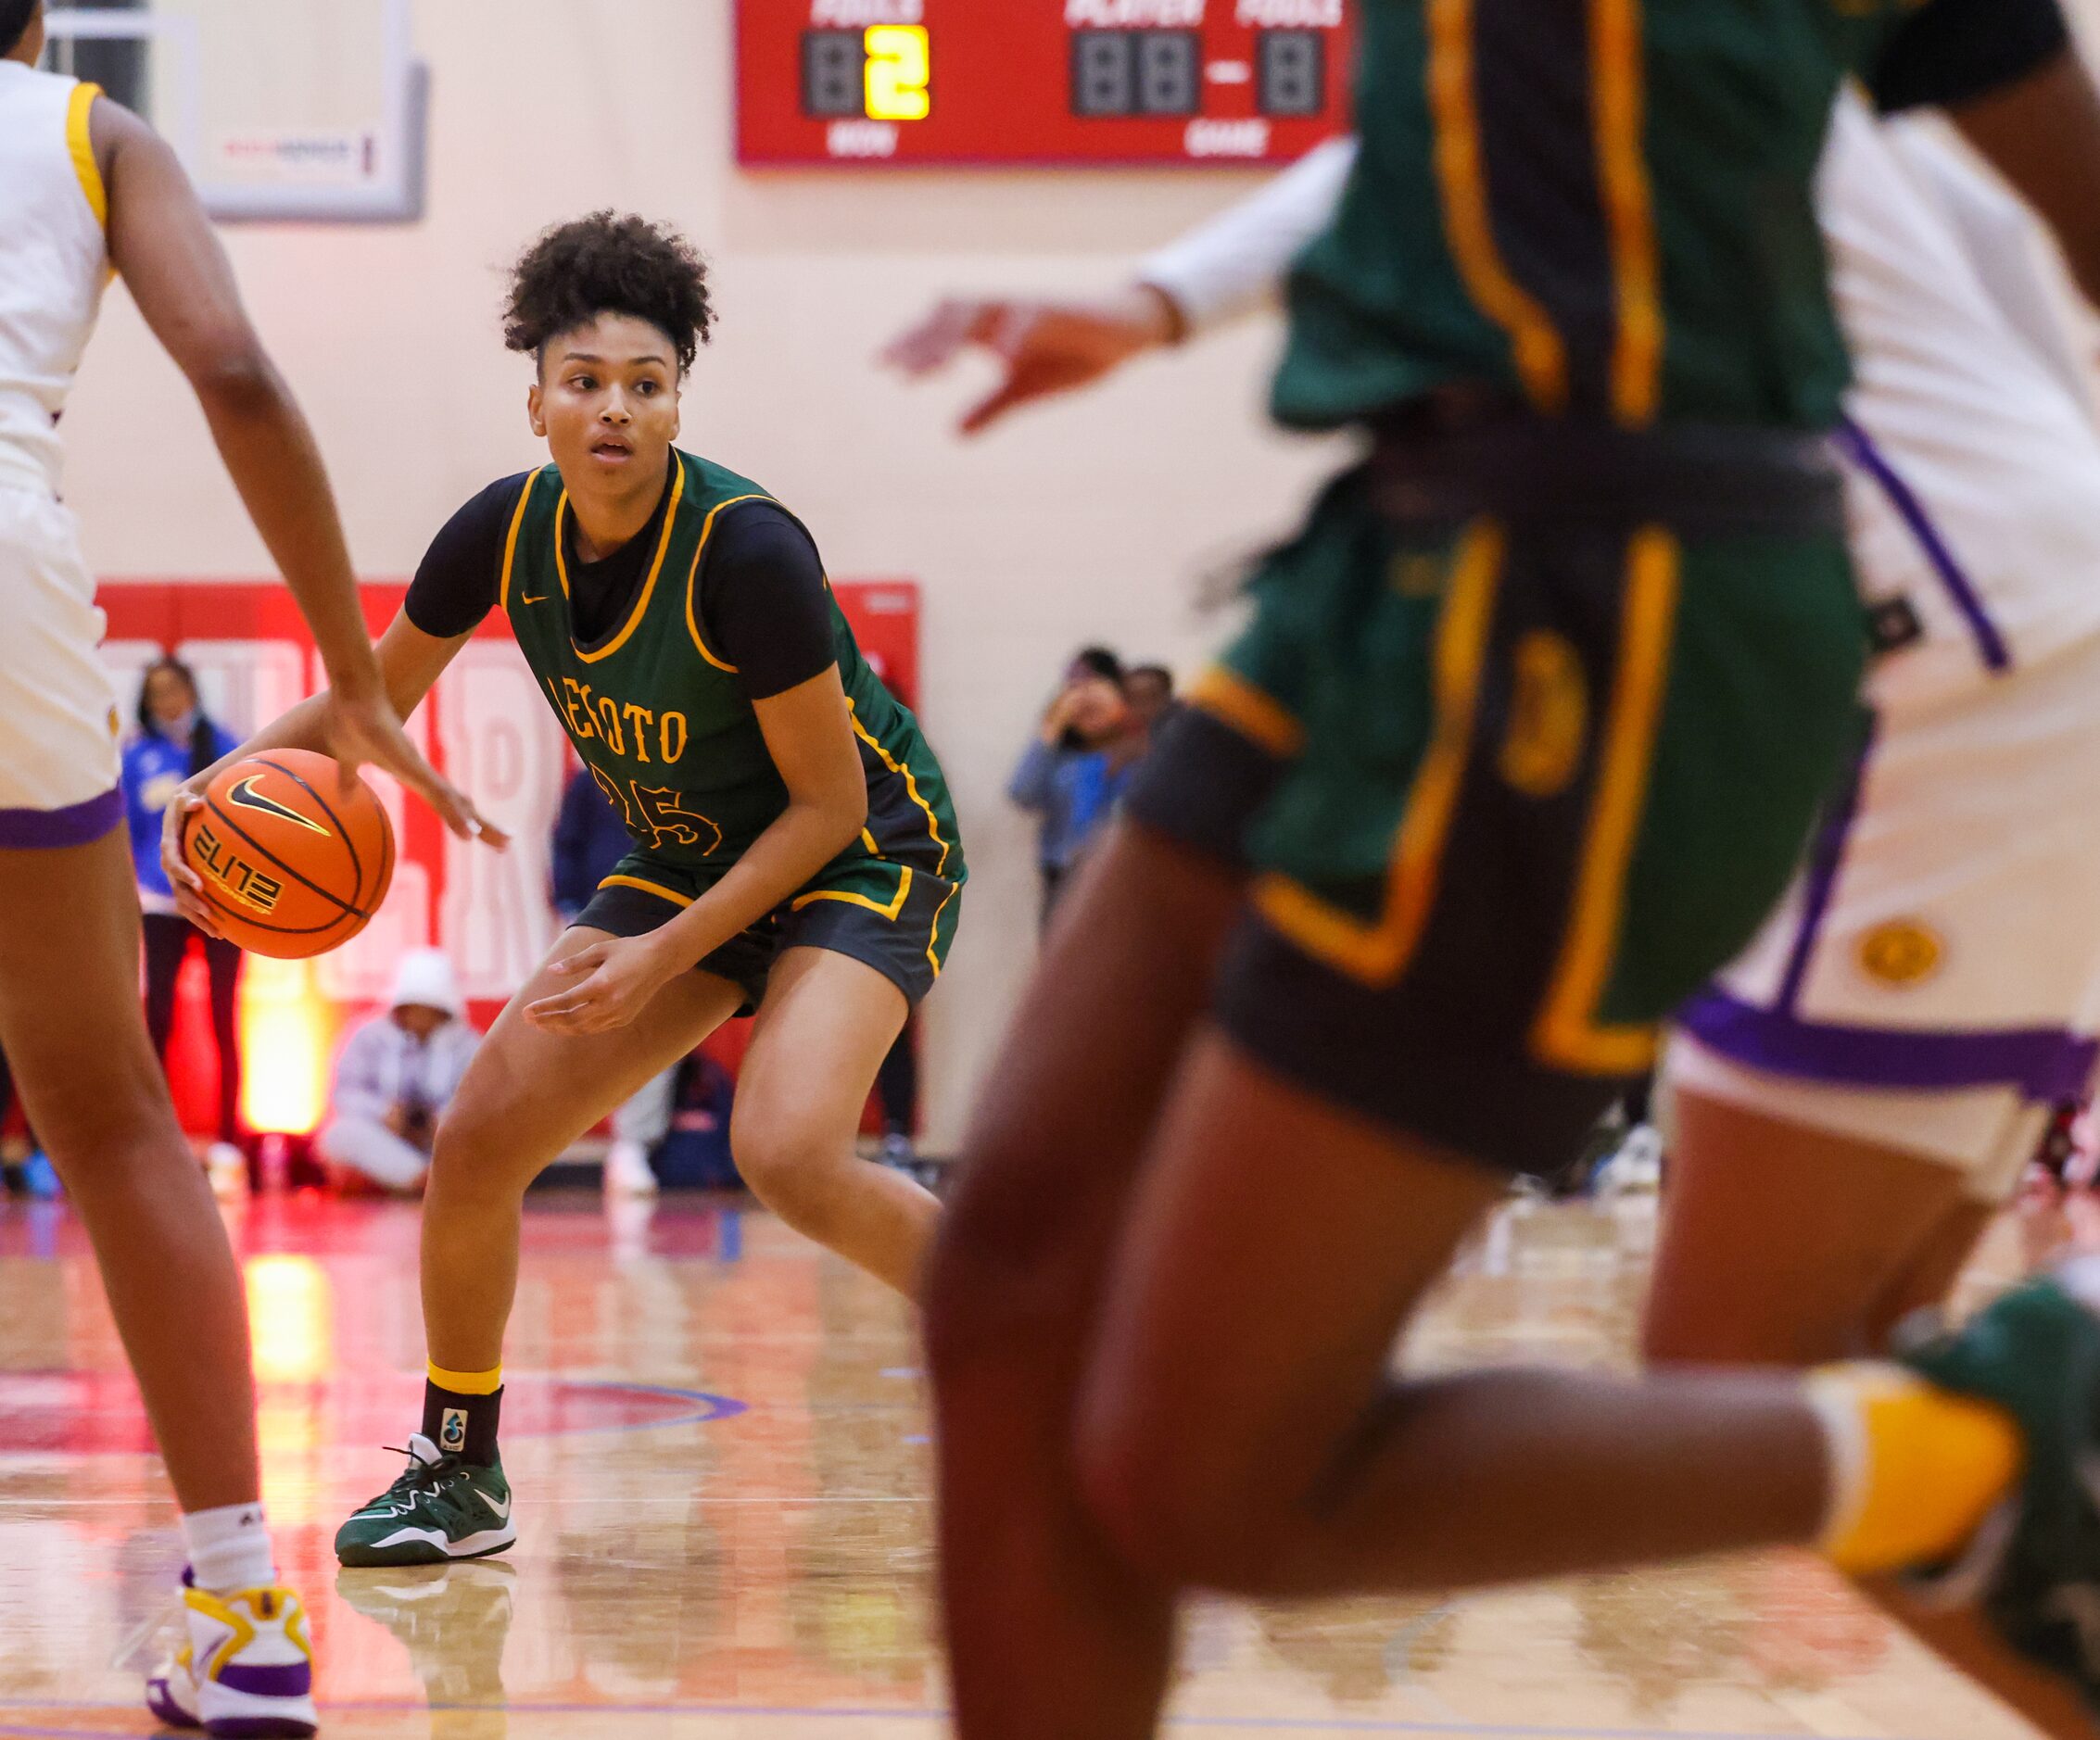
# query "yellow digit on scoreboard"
(900, 68)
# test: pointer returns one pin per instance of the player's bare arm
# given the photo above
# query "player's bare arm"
(163, 246)
(2043, 134)
(808, 736)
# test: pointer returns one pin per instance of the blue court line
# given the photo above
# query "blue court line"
(710, 1408)
(1254, 1724)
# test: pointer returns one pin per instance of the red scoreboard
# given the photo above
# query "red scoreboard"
(876, 84)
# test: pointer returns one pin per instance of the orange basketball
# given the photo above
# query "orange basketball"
(295, 859)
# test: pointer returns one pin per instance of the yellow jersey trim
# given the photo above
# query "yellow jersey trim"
(1377, 954)
(911, 785)
(692, 581)
(888, 911)
(1462, 174)
(80, 144)
(1255, 713)
(933, 939)
(648, 888)
(1566, 1034)
(510, 546)
(1620, 103)
(647, 586)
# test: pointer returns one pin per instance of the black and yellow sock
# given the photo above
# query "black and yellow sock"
(461, 1411)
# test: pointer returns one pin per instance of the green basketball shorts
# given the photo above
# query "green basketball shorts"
(898, 918)
(1509, 788)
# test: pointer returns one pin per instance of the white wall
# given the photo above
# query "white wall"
(1093, 521)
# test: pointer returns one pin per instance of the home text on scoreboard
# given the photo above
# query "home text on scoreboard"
(873, 83)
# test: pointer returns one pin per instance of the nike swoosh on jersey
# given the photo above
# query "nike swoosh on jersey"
(540, 600)
(248, 797)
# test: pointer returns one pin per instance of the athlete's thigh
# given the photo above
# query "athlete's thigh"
(528, 1093)
(1060, 1123)
(1781, 1244)
(1273, 1247)
(70, 1020)
(825, 1025)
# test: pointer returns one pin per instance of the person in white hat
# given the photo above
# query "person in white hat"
(396, 1074)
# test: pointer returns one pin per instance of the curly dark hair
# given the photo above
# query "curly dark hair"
(15, 16)
(609, 263)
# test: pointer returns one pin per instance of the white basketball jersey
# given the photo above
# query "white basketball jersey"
(1976, 495)
(53, 263)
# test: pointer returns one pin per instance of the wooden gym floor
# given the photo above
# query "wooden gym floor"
(717, 1441)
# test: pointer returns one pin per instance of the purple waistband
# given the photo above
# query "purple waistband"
(2047, 1064)
(78, 825)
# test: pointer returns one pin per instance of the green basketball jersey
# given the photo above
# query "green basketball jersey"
(1602, 204)
(660, 717)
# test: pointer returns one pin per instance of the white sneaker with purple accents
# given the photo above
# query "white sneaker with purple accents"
(245, 1671)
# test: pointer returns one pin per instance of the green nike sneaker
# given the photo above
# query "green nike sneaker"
(2033, 1567)
(441, 1508)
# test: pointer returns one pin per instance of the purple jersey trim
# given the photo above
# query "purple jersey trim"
(2047, 1064)
(1825, 858)
(79, 824)
(1856, 444)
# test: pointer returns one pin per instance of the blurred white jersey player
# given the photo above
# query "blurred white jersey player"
(87, 189)
(1933, 982)
(57, 710)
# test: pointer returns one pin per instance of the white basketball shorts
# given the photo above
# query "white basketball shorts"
(1932, 982)
(58, 723)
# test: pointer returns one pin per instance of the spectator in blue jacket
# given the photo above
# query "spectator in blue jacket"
(176, 741)
(1076, 764)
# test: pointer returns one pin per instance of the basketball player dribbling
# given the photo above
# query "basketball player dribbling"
(795, 853)
(1161, 1311)
(86, 188)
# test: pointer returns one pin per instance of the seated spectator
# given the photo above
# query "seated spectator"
(395, 1077)
(1075, 768)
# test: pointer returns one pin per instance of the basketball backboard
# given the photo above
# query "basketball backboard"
(291, 110)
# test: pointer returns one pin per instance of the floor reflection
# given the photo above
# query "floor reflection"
(717, 1441)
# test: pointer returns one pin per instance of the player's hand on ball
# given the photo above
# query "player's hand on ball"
(365, 729)
(1047, 347)
(185, 884)
(608, 985)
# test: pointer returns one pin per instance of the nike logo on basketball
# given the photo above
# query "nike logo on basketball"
(502, 1511)
(248, 797)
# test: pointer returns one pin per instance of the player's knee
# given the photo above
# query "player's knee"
(104, 1129)
(796, 1172)
(1173, 1508)
(1009, 1277)
(469, 1159)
